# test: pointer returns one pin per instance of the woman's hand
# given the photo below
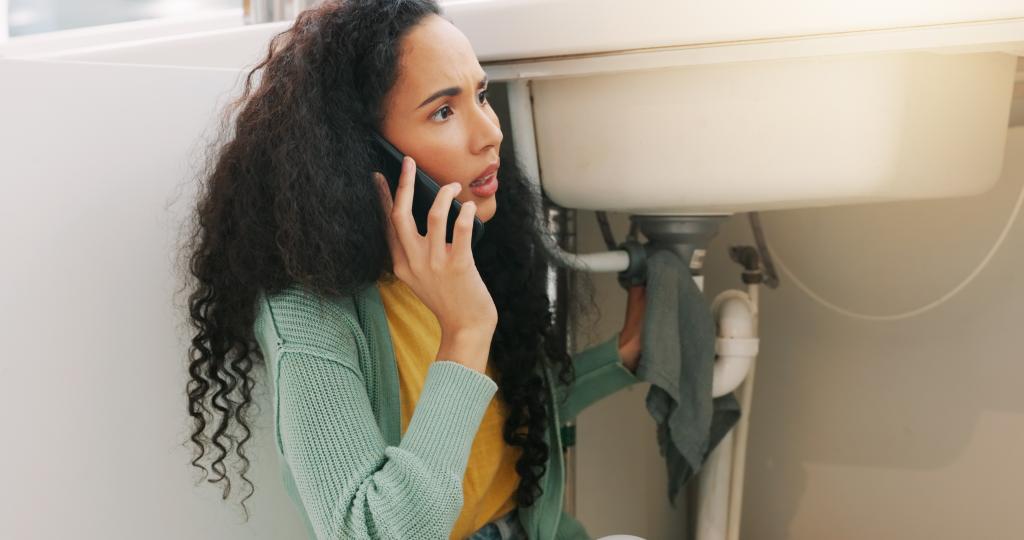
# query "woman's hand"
(444, 276)
(629, 337)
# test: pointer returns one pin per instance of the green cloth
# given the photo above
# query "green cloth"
(678, 358)
(337, 420)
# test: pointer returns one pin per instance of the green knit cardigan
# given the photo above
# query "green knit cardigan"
(334, 389)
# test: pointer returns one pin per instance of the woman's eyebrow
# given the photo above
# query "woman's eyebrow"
(453, 91)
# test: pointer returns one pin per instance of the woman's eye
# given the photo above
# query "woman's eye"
(446, 107)
(439, 111)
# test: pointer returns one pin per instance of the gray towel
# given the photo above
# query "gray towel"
(677, 358)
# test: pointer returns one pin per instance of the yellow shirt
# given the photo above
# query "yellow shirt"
(490, 482)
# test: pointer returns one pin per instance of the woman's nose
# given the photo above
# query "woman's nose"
(487, 128)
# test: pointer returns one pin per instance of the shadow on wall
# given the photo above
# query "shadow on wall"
(896, 418)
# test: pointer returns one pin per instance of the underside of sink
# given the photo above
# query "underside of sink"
(766, 135)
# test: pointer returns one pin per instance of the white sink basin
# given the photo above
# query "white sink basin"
(694, 115)
(766, 135)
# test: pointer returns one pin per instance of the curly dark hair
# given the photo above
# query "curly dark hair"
(289, 198)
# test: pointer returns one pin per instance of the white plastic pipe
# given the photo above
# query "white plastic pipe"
(739, 458)
(714, 483)
(737, 343)
(603, 261)
(721, 477)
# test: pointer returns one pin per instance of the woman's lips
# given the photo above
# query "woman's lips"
(487, 187)
(491, 169)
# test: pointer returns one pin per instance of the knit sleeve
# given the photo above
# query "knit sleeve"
(599, 373)
(351, 483)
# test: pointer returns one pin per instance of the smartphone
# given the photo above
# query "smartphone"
(425, 189)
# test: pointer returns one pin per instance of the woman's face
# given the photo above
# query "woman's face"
(438, 113)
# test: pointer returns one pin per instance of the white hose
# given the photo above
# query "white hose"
(925, 308)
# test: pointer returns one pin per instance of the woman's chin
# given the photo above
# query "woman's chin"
(486, 210)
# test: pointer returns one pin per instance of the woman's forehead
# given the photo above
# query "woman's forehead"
(435, 55)
(434, 38)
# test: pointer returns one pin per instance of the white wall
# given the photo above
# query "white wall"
(96, 164)
(886, 430)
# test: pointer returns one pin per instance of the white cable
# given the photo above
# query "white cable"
(907, 314)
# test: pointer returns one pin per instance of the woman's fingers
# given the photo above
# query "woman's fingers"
(406, 244)
(401, 213)
(437, 220)
(394, 246)
(463, 233)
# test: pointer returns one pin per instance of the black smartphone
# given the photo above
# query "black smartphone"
(425, 189)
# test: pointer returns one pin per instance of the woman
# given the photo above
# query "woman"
(304, 264)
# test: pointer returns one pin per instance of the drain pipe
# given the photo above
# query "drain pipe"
(720, 481)
(737, 343)
(757, 270)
